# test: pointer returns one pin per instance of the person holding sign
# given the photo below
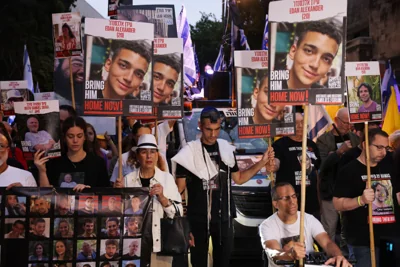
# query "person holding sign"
(313, 54)
(126, 69)
(280, 232)
(165, 75)
(364, 93)
(74, 159)
(351, 195)
(162, 188)
(207, 167)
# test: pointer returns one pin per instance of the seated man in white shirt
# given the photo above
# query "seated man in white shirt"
(280, 233)
(11, 176)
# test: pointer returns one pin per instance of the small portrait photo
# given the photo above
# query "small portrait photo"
(85, 264)
(133, 226)
(109, 249)
(134, 205)
(10, 96)
(65, 205)
(364, 93)
(131, 249)
(62, 264)
(15, 205)
(70, 180)
(38, 251)
(86, 227)
(131, 263)
(109, 264)
(110, 227)
(383, 203)
(309, 165)
(86, 250)
(40, 205)
(14, 228)
(63, 227)
(244, 163)
(39, 228)
(62, 250)
(88, 205)
(111, 205)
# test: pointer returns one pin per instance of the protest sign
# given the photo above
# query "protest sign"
(168, 77)
(162, 16)
(257, 118)
(38, 125)
(102, 124)
(83, 224)
(117, 68)
(62, 81)
(364, 100)
(44, 96)
(307, 49)
(67, 34)
(12, 92)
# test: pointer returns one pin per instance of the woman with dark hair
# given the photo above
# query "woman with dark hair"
(39, 253)
(63, 230)
(75, 158)
(13, 207)
(15, 155)
(62, 251)
(67, 39)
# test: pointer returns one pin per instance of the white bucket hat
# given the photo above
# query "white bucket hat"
(13, 94)
(146, 141)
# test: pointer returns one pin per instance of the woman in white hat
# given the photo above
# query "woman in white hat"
(162, 187)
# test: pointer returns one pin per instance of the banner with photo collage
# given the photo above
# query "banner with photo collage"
(307, 48)
(118, 72)
(61, 228)
(257, 118)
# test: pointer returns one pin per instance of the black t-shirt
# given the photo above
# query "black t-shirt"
(145, 182)
(91, 171)
(350, 183)
(289, 152)
(197, 190)
(349, 156)
(338, 141)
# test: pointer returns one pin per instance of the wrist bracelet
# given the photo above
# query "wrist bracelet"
(359, 201)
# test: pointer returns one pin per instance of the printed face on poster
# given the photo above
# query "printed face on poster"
(67, 34)
(38, 125)
(117, 68)
(306, 52)
(12, 92)
(162, 16)
(364, 91)
(168, 77)
(257, 118)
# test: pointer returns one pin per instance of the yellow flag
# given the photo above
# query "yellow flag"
(391, 122)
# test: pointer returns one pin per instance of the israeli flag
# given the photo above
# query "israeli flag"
(265, 36)
(28, 70)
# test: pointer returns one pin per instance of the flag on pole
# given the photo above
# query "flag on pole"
(243, 40)
(219, 64)
(389, 81)
(318, 122)
(391, 122)
(188, 54)
(28, 70)
(264, 45)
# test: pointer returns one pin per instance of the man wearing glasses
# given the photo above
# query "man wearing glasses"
(280, 232)
(351, 195)
(207, 167)
(288, 164)
(332, 145)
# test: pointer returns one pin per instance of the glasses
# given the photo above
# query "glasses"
(380, 148)
(344, 122)
(286, 198)
(3, 147)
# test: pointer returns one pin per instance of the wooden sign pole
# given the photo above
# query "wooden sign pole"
(271, 175)
(119, 147)
(71, 80)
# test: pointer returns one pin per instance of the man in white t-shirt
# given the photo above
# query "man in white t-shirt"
(10, 176)
(280, 233)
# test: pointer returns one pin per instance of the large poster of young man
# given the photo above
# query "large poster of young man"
(12, 92)
(168, 77)
(162, 16)
(306, 52)
(257, 118)
(67, 34)
(364, 99)
(118, 68)
(38, 124)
